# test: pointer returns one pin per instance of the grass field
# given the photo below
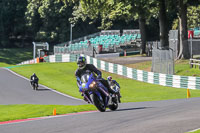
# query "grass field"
(60, 76)
(146, 66)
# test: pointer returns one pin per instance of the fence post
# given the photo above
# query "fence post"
(191, 63)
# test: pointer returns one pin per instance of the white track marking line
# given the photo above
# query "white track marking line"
(194, 130)
(43, 85)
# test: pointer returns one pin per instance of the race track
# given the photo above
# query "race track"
(170, 116)
(17, 90)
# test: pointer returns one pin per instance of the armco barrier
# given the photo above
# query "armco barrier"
(140, 75)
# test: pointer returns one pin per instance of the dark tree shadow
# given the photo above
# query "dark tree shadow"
(15, 55)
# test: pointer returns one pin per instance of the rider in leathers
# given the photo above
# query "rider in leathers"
(83, 67)
(33, 79)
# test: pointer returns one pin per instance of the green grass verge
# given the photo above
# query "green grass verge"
(14, 112)
(2, 64)
(60, 76)
(182, 67)
(146, 66)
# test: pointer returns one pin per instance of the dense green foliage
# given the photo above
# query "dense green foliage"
(193, 18)
(12, 22)
(47, 19)
(24, 21)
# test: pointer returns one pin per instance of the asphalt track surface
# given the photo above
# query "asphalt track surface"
(170, 116)
(127, 60)
(17, 90)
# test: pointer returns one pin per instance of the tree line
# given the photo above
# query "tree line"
(24, 21)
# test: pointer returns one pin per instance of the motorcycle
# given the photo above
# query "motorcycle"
(34, 84)
(117, 90)
(96, 93)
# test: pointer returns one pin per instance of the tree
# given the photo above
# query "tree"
(187, 18)
(140, 9)
(32, 17)
(163, 23)
(193, 15)
(184, 48)
(48, 20)
(111, 10)
(12, 22)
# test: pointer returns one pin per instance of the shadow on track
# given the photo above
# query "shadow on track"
(127, 109)
(42, 89)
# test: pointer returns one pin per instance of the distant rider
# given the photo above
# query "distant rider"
(83, 67)
(114, 85)
(34, 79)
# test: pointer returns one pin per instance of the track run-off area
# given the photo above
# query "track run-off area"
(169, 116)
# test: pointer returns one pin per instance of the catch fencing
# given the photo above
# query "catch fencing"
(193, 44)
(163, 61)
(194, 47)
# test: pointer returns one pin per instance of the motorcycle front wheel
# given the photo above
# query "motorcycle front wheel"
(36, 86)
(99, 103)
(33, 86)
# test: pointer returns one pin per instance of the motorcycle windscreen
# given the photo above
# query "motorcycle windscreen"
(85, 78)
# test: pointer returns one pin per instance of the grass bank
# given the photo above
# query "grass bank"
(182, 67)
(13, 56)
(60, 76)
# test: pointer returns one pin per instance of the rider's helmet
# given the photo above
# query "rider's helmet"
(33, 74)
(81, 62)
(109, 78)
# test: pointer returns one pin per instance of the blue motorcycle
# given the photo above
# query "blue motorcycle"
(96, 93)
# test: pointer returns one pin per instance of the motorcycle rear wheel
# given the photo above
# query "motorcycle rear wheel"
(114, 105)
